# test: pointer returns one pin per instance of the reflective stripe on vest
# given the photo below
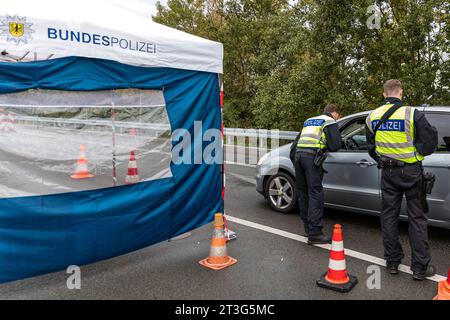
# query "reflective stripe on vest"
(395, 138)
(313, 135)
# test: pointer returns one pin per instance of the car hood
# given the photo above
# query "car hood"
(283, 150)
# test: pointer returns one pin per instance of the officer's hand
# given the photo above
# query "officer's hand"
(379, 164)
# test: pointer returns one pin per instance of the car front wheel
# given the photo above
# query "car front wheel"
(281, 193)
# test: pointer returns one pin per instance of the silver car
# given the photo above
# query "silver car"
(353, 179)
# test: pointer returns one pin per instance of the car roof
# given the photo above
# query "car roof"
(436, 108)
(354, 115)
(422, 108)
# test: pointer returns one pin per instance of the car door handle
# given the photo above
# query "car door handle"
(364, 163)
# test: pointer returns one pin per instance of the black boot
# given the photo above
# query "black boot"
(392, 267)
(420, 276)
(306, 233)
(319, 239)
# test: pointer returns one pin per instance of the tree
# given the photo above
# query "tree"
(284, 62)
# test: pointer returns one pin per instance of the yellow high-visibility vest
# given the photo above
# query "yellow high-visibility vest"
(395, 138)
(313, 135)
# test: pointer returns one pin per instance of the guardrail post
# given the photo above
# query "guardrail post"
(252, 135)
(262, 146)
(240, 149)
(274, 144)
(229, 148)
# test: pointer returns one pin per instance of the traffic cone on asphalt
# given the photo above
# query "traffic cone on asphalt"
(133, 132)
(337, 278)
(132, 176)
(81, 171)
(2, 122)
(444, 289)
(10, 123)
(218, 258)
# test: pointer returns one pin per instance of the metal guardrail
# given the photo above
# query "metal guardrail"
(247, 146)
(230, 132)
(261, 133)
(91, 122)
(243, 146)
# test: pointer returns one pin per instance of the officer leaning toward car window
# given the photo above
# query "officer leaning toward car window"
(399, 145)
(319, 135)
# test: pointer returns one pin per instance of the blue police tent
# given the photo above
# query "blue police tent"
(109, 133)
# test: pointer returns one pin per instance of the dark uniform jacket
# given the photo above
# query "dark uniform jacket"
(332, 136)
(426, 136)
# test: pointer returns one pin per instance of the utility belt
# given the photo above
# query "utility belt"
(320, 155)
(307, 151)
(390, 162)
(427, 181)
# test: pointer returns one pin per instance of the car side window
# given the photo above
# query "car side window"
(441, 122)
(354, 136)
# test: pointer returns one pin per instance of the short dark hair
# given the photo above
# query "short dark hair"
(332, 108)
(392, 86)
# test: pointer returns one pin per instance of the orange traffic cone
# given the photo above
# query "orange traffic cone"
(2, 122)
(10, 123)
(444, 289)
(133, 132)
(337, 278)
(82, 171)
(218, 258)
(132, 176)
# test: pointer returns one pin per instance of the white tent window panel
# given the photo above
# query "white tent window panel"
(55, 141)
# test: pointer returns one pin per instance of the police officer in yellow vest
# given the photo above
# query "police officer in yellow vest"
(319, 134)
(398, 138)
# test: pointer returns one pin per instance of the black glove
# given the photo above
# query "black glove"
(292, 155)
(379, 163)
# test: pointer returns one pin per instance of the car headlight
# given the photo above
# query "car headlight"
(263, 158)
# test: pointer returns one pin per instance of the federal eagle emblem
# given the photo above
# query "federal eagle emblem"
(15, 29)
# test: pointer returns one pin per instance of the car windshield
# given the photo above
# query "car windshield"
(354, 135)
(353, 128)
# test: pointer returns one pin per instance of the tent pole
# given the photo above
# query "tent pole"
(113, 122)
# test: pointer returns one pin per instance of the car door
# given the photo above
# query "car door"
(439, 164)
(352, 178)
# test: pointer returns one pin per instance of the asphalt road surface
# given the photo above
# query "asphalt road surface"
(271, 264)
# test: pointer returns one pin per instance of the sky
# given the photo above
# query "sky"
(153, 5)
(143, 7)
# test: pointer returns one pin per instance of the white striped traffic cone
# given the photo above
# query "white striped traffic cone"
(218, 258)
(133, 132)
(337, 278)
(132, 176)
(2, 122)
(10, 123)
(444, 289)
(82, 171)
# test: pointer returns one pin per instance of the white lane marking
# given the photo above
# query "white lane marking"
(241, 177)
(348, 252)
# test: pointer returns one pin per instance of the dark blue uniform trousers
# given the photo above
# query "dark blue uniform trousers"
(308, 179)
(396, 182)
